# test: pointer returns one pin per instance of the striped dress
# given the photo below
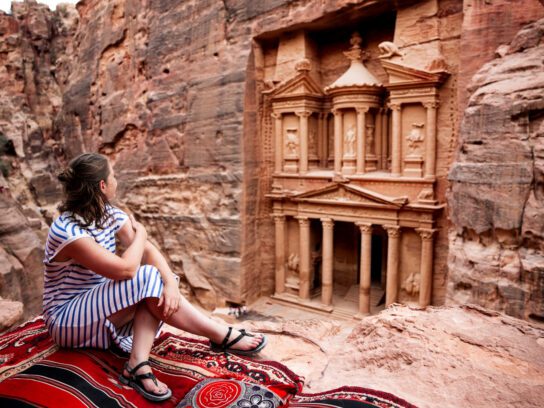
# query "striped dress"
(77, 301)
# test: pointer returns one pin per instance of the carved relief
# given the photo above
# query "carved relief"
(349, 142)
(388, 49)
(293, 263)
(312, 141)
(415, 138)
(369, 140)
(291, 142)
(411, 284)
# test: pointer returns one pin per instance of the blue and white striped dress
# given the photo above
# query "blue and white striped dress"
(78, 301)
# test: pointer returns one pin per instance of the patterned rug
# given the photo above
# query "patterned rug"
(34, 372)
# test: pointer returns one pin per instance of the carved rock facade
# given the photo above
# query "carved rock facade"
(180, 110)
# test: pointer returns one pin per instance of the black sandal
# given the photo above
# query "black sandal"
(226, 346)
(135, 381)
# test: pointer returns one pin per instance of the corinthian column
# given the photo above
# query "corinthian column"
(278, 145)
(327, 262)
(304, 249)
(396, 140)
(338, 139)
(430, 140)
(392, 286)
(279, 221)
(303, 125)
(426, 271)
(366, 253)
(361, 134)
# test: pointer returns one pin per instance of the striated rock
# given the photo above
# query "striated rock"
(23, 251)
(443, 356)
(496, 197)
(11, 313)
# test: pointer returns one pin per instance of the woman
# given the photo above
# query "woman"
(93, 297)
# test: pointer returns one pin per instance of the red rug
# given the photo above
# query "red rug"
(34, 372)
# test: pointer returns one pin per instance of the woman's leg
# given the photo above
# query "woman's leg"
(145, 327)
(190, 319)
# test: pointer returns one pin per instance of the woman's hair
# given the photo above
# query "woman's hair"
(81, 181)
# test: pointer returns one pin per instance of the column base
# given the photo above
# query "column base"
(291, 166)
(361, 316)
(349, 167)
(371, 162)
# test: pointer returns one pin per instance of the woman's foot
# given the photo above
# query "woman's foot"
(148, 384)
(238, 341)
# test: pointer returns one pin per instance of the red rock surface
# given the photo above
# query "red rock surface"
(496, 199)
(440, 357)
(177, 108)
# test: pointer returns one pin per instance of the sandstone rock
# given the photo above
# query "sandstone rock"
(496, 195)
(443, 356)
(11, 313)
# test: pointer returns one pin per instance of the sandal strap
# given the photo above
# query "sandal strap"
(226, 339)
(146, 376)
(236, 340)
(131, 371)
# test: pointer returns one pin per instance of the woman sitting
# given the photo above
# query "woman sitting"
(93, 297)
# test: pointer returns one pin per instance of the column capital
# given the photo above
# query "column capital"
(394, 106)
(303, 221)
(364, 226)
(327, 222)
(337, 112)
(362, 109)
(303, 113)
(431, 104)
(393, 231)
(276, 115)
(426, 234)
(278, 218)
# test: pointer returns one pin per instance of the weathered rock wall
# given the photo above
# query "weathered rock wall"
(171, 91)
(31, 38)
(496, 199)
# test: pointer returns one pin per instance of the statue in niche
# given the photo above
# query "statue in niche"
(388, 49)
(349, 141)
(369, 139)
(415, 137)
(411, 284)
(292, 262)
(312, 141)
(291, 141)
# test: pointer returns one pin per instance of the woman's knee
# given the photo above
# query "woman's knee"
(149, 272)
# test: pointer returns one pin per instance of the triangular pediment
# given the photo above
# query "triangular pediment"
(300, 85)
(341, 193)
(402, 74)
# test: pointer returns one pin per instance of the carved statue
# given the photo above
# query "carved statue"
(369, 139)
(415, 137)
(349, 140)
(292, 262)
(411, 284)
(312, 141)
(388, 49)
(292, 141)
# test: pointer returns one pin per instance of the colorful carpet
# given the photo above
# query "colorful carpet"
(34, 372)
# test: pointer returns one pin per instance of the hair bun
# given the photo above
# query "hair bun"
(67, 175)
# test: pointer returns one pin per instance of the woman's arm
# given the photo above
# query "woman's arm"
(152, 256)
(86, 252)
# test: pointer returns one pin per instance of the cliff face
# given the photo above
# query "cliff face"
(171, 92)
(30, 41)
(496, 199)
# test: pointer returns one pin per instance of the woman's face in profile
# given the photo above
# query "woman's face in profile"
(109, 186)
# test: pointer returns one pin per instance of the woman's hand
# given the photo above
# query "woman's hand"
(170, 299)
(137, 226)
